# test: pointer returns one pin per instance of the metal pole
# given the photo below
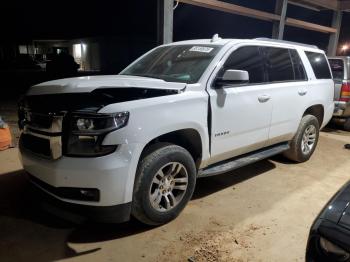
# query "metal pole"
(334, 38)
(278, 27)
(165, 21)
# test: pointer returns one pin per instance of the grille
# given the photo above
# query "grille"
(39, 120)
(42, 133)
(41, 116)
(36, 145)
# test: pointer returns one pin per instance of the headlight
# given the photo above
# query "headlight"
(97, 124)
(87, 132)
(332, 251)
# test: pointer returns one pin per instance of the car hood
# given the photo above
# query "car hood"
(90, 83)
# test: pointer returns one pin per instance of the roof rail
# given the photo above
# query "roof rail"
(284, 42)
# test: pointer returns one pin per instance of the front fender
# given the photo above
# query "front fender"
(151, 118)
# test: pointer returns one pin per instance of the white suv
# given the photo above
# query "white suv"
(135, 143)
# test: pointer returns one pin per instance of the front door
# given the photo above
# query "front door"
(240, 113)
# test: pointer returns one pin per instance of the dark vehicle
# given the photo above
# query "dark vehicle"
(329, 238)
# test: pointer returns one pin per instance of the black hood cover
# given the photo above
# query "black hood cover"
(91, 102)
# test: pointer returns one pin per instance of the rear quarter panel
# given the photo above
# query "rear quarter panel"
(320, 91)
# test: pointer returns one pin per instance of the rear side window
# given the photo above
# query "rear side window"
(337, 66)
(298, 67)
(319, 65)
(249, 59)
(279, 64)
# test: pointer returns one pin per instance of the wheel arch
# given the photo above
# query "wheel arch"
(188, 138)
(316, 110)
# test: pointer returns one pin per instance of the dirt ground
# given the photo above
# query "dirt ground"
(260, 212)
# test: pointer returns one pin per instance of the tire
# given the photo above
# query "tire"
(347, 124)
(296, 152)
(166, 159)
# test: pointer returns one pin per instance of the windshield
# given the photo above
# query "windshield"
(178, 63)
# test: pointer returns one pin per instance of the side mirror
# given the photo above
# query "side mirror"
(231, 77)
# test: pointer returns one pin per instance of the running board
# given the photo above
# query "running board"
(244, 160)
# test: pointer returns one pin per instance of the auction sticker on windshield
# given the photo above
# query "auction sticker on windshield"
(202, 49)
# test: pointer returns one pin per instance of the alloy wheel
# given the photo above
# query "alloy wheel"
(308, 140)
(168, 186)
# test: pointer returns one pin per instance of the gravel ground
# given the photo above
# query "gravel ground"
(260, 212)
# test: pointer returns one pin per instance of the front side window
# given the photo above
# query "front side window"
(319, 65)
(177, 63)
(337, 66)
(249, 59)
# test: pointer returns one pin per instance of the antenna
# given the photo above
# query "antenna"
(215, 38)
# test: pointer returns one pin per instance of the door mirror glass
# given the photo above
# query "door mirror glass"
(232, 77)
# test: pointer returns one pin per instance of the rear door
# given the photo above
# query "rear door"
(288, 89)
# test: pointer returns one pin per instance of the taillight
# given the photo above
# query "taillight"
(345, 92)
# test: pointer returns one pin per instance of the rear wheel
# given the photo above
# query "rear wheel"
(305, 140)
(164, 183)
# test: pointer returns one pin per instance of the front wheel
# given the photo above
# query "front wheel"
(164, 183)
(305, 140)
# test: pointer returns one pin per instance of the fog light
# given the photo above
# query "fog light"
(81, 194)
(87, 193)
(90, 194)
(335, 252)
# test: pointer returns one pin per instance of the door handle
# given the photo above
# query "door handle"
(264, 98)
(302, 92)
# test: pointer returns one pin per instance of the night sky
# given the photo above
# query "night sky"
(23, 20)
(26, 20)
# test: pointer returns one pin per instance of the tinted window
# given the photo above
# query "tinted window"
(298, 67)
(337, 66)
(319, 65)
(279, 64)
(249, 59)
